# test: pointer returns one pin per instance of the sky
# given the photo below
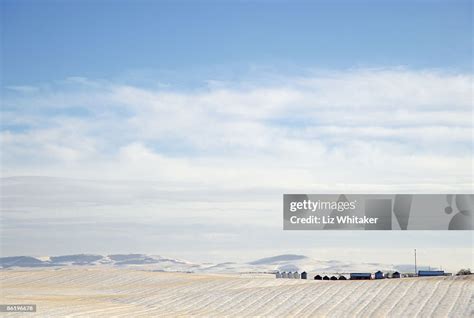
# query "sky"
(174, 128)
(45, 41)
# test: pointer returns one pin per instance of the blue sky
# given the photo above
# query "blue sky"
(139, 124)
(52, 40)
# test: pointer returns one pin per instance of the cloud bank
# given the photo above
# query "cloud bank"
(380, 127)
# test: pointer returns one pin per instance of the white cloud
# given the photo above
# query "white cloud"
(23, 88)
(374, 126)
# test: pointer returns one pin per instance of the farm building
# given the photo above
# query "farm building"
(360, 276)
(342, 277)
(430, 273)
(378, 275)
(296, 275)
(290, 275)
(317, 277)
(326, 278)
(284, 275)
(333, 278)
(396, 275)
(277, 275)
(304, 275)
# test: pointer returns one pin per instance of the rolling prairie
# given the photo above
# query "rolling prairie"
(108, 291)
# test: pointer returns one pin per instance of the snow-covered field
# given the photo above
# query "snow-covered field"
(101, 291)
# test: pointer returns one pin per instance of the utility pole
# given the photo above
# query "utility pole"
(416, 272)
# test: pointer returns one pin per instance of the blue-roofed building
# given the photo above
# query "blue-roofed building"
(360, 276)
(378, 275)
(430, 273)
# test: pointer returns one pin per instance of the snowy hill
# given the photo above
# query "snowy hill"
(286, 262)
(99, 291)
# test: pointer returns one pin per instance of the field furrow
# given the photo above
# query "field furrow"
(115, 292)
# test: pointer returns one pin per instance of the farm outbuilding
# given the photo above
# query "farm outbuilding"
(333, 278)
(378, 275)
(396, 275)
(326, 278)
(430, 273)
(360, 276)
(296, 275)
(284, 275)
(304, 275)
(342, 277)
(277, 275)
(318, 277)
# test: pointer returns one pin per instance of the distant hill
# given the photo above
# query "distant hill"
(278, 259)
(285, 262)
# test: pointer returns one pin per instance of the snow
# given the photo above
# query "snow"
(286, 262)
(125, 292)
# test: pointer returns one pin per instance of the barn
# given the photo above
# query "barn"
(318, 277)
(378, 275)
(360, 276)
(304, 275)
(326, 278)
(333, 278)
(430, 273)
(342, 277)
